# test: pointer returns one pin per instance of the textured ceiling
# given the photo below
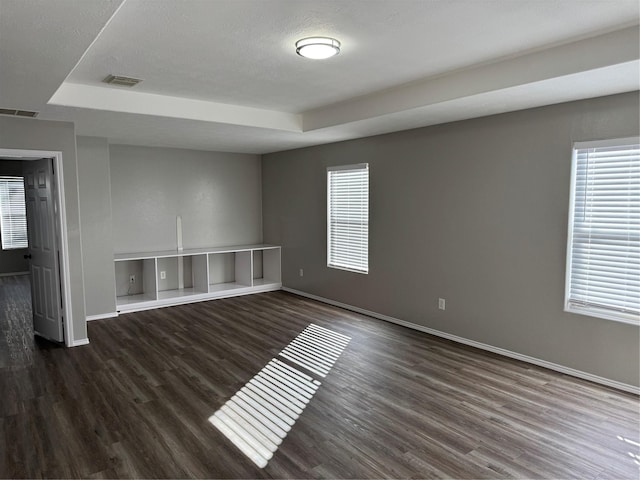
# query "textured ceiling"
(41, 42)
(242, 52)
(223, 75)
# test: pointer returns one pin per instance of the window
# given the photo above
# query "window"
(348, 217)
(603, 251)
(13, 216)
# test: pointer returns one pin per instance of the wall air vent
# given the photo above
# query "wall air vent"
(18, 113)
(121, 81)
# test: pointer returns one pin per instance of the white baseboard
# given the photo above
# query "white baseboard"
(90, 318)
(483, 346)
(204, 297)
(80, 342)
(13, 274)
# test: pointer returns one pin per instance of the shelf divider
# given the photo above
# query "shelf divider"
(215, 272)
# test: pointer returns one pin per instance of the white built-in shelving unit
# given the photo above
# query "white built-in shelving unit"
(159, 279)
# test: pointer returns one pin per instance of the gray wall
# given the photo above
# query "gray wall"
(31, 134)
(95, 217)
(474, 212)
(12, 261)
(217, 194)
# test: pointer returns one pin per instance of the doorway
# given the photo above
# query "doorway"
(57, 218)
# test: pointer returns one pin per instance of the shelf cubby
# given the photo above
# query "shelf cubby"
(229, 271)
(144, 287)
(199, 275)
(175, 277)
(266, 266)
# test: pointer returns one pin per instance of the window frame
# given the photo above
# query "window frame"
(569, 305)
(352, 167)
(3, 233)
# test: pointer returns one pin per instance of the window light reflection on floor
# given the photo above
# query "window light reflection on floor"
(634, 456)
(259, 416)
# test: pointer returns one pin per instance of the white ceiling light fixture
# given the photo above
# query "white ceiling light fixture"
(317, 48)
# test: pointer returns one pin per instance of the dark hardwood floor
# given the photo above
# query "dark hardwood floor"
(397, 403)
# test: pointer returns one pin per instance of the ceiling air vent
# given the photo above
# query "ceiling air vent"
(122, 81)
(26, 113)
(17, 113)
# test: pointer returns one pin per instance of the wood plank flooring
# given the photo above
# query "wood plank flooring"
(397, 403)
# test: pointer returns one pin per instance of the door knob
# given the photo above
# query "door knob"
(28, 257)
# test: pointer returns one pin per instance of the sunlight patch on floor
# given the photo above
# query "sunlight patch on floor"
(634, 456)
(259, 416)
(316, 349)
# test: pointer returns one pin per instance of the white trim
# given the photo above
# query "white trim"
(568, 255)
(79, 343)
(13, 274)
(65, 271)
(203, 297)
(64, 246)
(101, 316)
(573, 308)
(609, 142)
(603, 313)
(137, 102)
(483, 346)
(355, 166)
(347, 269)
(338, 168)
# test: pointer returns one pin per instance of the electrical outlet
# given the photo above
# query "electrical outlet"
(132, 279)
(441, 303)
(163, 275)
(301, 272)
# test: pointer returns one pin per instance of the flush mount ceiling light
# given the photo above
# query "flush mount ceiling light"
(317, 48)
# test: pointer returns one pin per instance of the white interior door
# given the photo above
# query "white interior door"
(43, 248)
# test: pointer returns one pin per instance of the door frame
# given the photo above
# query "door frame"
(61, 224)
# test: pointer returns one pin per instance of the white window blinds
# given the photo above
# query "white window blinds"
(13, 217)
(348, 217)
(603, 264)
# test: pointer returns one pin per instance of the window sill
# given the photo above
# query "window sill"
(346, 269)
(604, 314)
